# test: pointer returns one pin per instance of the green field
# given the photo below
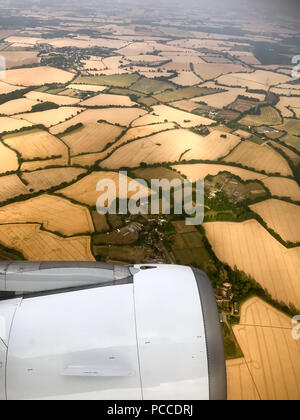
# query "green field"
(156, 173)
(118, 80)
(147, 86)
(231, 346)
(292, 140)
(185, 93)
(129, 254)
(188, 247)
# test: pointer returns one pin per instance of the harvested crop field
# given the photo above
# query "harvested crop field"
(91, 138)
(5, 88)
(88, 159)
(55, 214)
(280, 216)
(56, 99)
(143, 131)
(267, 116)
(108, 100)
(37, 144)
(8, 124)
(45, 179)
(84, 191)
(86, 88)
(283, 187)
(185, 105)
(208, 71)
(285, 103)
(259, 157)
(51, 117)
(186, 78)
(10, 187)
(223, 99)
(38, 245)
(122, 116)
(20, 58)
(250, 248)
(37, 76)
(163, 113)
(196, 171)
(170, 146)
(8, 159)
(271, 354)
(258, 80)
(16, 106)
(242, 134)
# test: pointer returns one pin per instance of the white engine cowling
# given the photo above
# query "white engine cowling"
(98, 331)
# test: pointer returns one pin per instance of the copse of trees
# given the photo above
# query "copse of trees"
(44, 106)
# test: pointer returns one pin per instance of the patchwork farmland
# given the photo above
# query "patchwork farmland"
(89, 93)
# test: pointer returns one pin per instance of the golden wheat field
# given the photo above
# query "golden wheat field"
(171, 146)
(283, 187)
(6, 88)
(84, 191)
(259, 157)
(121, 116)
(44, 179)
(87, 88)
(43, 164)
(11, 186)
(91, 138)
(37, 144)
(38, 245)
(55, 214)
(271, 354)
(36, 76)
(164, 113)
(252, 249)
(280, 216)
(196, 171)
(144, 131)
(51, 117)
(8, 124)
(17, 106)
(8, 159)
(105, 99)
(47, 97)
(88, 159)
(240, 385)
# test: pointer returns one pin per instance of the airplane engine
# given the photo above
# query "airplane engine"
(77, 330)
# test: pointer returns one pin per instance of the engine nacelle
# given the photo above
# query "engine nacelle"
(99, 331)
